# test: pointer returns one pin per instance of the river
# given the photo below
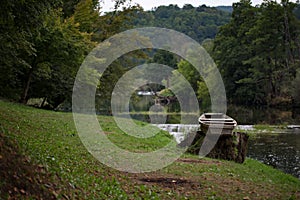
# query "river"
(278, 148)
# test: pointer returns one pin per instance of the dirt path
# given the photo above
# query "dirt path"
(205, 186)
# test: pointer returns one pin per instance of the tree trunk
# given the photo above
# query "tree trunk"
(43, 103)
(228, 147)
(24, 97)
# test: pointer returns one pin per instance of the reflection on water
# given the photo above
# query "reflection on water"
(270, 116)
(262, 115)
(280, 150)
(243, 115)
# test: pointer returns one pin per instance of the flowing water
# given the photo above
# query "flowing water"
(280, 150)
(178, 130)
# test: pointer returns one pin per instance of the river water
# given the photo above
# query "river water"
(280, 149)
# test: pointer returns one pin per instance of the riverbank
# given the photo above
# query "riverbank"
(276, 146)
(42, 156)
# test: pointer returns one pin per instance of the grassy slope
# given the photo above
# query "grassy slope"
(47, 142)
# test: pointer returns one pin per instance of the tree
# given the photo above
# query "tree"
(69, 7)
(19, 22)
(232, 47)
(86, 15)
(115, 22)
(165, 58)
(61, 48)
(256, 52)
(199, 23)
(42, 46)
(189, 72)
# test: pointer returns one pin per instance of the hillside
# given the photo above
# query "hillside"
(225, 8)
(199, 23)
(41, 156)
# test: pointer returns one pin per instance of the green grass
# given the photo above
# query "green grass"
(131, 143)
(50, 139)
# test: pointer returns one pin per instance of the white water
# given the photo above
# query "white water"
(280, 150)
(179, 131)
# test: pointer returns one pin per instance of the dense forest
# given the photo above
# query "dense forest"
(258, 53)
(44, 43)
(199, 23)
(256, 48)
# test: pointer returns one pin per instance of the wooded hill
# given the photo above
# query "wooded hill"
(197, 22)
(256, 48)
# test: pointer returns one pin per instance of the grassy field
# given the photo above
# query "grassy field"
(41, 156)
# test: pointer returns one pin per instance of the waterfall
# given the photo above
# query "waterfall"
(179, 131)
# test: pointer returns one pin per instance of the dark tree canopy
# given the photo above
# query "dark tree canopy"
(258, 52)
(197, 22)
(43, 43)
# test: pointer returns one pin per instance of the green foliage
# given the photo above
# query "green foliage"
(257, 51)
(166, 93)
(115, 22)
(195, 80)
(178, 84)
(165, 58)
(60, 50)
(40, 50)
(197, 22)
(43, 44)
(69, 6)
(19, 21)
(189, 72)
(86, 16)
(203, 95)
(114, 72)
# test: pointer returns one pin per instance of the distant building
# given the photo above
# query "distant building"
(145, 93)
